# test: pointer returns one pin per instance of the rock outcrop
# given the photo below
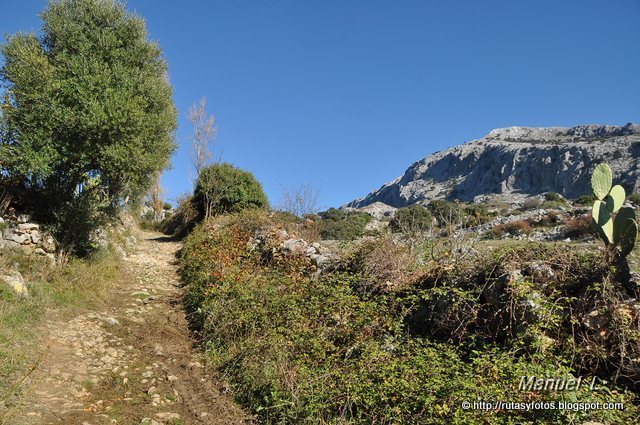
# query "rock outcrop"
(517, 162)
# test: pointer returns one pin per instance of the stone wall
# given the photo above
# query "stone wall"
(18, 233)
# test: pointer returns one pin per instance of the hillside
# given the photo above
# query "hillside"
(515, 162)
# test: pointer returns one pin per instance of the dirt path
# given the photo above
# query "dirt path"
(133, 362)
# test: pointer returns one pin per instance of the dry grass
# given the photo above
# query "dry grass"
(62, 289)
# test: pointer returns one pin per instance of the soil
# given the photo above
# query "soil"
(132, 362)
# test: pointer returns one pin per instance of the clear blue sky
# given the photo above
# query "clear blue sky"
(346, 94)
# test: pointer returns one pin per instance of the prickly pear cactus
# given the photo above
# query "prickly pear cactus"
(616, 225)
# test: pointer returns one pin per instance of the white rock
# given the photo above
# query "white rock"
(110, 321)
(20, 238)
(166, 416)
(28, 226)
(319, 260)
(35, 236)
(48, 244)
(16, 283)
(294, 245)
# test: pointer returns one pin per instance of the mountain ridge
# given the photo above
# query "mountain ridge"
(517, 162)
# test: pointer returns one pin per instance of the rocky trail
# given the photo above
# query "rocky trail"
(133, 362)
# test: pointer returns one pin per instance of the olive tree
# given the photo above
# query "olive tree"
(88, 110)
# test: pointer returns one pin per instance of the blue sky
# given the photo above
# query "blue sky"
(345, 94)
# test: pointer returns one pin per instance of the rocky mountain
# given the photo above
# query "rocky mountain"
(516, 162)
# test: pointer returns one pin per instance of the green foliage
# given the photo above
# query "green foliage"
(85, 99)
(445, 212)
(458, 214)
(342, 225)
(222, 188)
(183, 219)
(553, 205)
(616, 225)
(553, 197)
(635, 198)
(320, 350)
(585, 200)
(412, 219)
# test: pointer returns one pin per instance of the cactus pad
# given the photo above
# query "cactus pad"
(622, 222)
(628, 240)
(602, 220)
(615, 198)
(601, 181)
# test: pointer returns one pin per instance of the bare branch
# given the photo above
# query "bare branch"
(300, 201)
(204, 131)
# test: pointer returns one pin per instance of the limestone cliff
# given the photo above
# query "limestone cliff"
(516, 162)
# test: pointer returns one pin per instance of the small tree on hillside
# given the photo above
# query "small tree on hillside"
(204, 130)
(222, 188)
(415, 222)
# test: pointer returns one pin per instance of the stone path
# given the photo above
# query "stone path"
(133, 363)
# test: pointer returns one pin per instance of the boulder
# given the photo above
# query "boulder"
(319, 260)
(16, 283)
(24, 218)
(48, 244)
(28, 226)
(21, 238)
(35, 236)
(295, 246)
(540, 272)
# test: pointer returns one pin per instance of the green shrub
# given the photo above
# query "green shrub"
(457, 214)
(586, 200)
(445, 212)
(341, 225)
(222, 188)
(553, 205)
(634, 197)
(553, 197)
(411, 220)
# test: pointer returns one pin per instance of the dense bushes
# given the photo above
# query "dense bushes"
(455, 213)
(344, 225)
(344, 347)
